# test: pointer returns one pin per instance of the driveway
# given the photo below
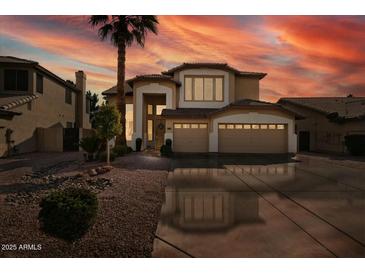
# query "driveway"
(262, 207)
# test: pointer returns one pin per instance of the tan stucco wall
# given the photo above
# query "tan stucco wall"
(112, 100)
(246, 88)
(47, 111)
(319, 127)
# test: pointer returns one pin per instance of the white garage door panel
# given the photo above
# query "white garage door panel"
(253, 140)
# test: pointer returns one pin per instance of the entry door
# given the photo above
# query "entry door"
(304, 141)
(159, 133)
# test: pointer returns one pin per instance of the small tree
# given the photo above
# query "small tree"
(94, 99)
(107, 122)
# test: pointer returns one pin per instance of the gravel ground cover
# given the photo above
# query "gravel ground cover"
(129, 208)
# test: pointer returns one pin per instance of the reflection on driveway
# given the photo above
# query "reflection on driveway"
(232, 208)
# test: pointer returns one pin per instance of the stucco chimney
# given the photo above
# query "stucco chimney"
(81, 80)
(82, 116)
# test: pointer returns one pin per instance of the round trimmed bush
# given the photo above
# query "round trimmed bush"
(68, 213)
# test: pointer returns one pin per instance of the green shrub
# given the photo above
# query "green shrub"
(138, 144)
(355, 144)
(120, 150)
(68, 213)
(169, 142)
(102, 156)
(90, 144)
(166, 150)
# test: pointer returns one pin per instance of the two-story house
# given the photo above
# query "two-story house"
(206, 107)
(36, 105)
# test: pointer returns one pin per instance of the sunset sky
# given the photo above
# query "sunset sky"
(303, 56)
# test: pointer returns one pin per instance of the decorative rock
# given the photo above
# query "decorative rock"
(93, 172)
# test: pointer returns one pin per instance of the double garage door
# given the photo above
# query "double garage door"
(232, 138)
(252, 138)
(190, 137)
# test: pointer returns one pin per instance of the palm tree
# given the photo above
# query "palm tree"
(123, 30)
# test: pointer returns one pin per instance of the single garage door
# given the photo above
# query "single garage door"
(190, 137)
(253, 138)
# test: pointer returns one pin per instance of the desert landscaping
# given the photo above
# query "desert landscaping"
(129, 200)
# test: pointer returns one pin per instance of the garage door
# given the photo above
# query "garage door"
(190, 137)
(253, 138)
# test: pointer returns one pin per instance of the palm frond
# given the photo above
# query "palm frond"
(95, 20)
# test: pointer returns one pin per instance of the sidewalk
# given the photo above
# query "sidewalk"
(341, 160)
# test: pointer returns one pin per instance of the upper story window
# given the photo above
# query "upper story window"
(203, 88)
(159, 109)
(39, 83)
(68, 96)
(15, 80)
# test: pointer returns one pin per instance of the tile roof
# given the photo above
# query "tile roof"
(345, 107)
(223, 66)
(12, 59)
(188, 112)
(153, 77)
(205, 112)
(7, 113)
(9, 102)
(113, 90)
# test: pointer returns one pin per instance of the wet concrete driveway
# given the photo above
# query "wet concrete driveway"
(261, 207)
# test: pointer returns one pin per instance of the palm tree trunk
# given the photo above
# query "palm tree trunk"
(120, 89)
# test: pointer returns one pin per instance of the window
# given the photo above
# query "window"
(280, 127)
(230, 126)
(198, 89)
(129, 121)
(263, 126)
(220, 126)
(208, 89)
(150, 130)
(238, 126)
(192, 126)
(150, 109)
(219, 89)
(246, 126)
(272, 126)
(255, 126)
(39, 83)
(204, 88)
(159, 109)
(15, 80)
(68, 96)
(188, 89)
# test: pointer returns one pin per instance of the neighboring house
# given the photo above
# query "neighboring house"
(35, 106)
(205, 107)
(327, 121)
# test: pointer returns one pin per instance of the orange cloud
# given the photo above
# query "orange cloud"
(303, 55)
